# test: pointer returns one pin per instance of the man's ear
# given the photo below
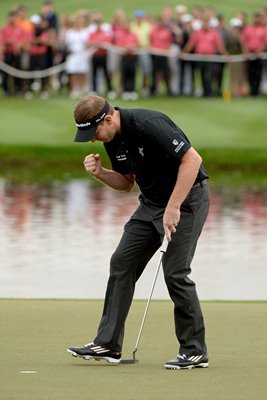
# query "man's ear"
(108, 119)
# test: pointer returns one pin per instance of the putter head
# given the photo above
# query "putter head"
(129, 361)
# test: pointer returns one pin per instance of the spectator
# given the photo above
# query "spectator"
(186, 68)
(218, 67)
(39, 47)
(209, 13)
(22, 20)
(64, 25)
(118, 21)
(77, 60)
(98, 41)
(180, 11)
(61, 54)
(142, 28)
(172, 24)
(96, 19)
(12, 44)
(198, 16)
(254, 40)
(160, 41)
(128, 41)
(206, 41)
(27, 27)
(243, 16)
(233, 46)
(114, 57)
(50, 15)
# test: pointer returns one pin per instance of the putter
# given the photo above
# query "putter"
(163, 250)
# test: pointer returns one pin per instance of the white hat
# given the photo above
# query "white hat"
(186, 18)
(197, 24)
(236, 22)
(214, 23)
(35, 19)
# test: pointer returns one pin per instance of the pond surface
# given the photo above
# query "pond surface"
(56, 241)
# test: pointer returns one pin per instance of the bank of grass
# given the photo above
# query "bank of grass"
(43, 164)
(68, 7)
(36, 142)
(36, 333)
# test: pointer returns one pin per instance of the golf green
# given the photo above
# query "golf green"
(35, 365)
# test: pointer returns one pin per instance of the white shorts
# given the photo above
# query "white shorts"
(78, 63)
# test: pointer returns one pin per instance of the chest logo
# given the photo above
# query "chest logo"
(121, 157)
(141, 151)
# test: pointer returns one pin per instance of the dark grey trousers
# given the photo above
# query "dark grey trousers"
(142, 237)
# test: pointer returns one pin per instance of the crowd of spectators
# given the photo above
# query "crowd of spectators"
(175, 53)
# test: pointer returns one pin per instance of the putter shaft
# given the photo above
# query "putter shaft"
(163, 250)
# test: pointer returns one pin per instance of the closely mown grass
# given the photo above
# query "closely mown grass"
(36, 333)
(212, 123)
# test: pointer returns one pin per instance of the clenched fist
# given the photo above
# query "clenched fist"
(92, 164)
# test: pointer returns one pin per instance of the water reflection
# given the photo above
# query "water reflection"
(56, 241)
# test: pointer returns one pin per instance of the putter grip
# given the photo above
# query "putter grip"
(164, 245)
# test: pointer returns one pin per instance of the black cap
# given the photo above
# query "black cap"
(87, 129)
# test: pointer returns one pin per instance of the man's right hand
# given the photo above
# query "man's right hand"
(92, 164)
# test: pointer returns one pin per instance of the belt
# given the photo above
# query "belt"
(201, 183)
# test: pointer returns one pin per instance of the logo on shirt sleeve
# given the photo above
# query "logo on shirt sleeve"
(178, 145)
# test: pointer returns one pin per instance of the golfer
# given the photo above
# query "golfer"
(147, 148)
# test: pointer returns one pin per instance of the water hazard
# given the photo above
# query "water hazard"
(56, 241)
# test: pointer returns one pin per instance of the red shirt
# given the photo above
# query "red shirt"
(117, 30)
(12, 38)
(97, 38)
(127, 39)
(40, 48)
(255, 38)
(206, 41)
(161, 37)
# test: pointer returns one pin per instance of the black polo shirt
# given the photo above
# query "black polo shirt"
(150, 146)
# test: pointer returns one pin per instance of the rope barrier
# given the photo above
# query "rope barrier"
(18, 73)
(173, 53)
